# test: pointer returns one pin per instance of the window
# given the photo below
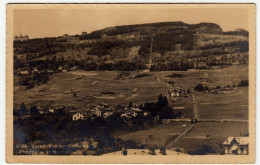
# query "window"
(242, 149)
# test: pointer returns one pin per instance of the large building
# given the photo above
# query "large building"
(236, 146)
(21, 38)
(78, 116)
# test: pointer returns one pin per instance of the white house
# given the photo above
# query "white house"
(236, 145)
(77, 116)
(96, 112)
(25, 72)
(49, 71)
(51, 110)
(130, 112)
(36, 71)
(60, 68)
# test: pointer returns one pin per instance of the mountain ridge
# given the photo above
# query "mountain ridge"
(157, 28)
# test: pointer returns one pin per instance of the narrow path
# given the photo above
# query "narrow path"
(195, 109)
(175, 140)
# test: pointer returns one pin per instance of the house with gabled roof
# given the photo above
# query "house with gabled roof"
(236, 145)
(78, 116)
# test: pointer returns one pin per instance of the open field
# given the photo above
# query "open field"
(157, 135)
(231, 105)
(195, 139)
(217, 131)
(89, 86)
(227, 104)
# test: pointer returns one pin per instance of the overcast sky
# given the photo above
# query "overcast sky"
(37, 23)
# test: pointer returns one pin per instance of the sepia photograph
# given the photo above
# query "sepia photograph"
(130, 83)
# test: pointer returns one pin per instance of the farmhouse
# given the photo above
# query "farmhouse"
(77, 116)
(24, 72)
(178, 93)
(51, 110)
(35, 71)
(236, 145)
(50, 71)
(130, 112)
(96, 112)
(60, 68)
(57, 109)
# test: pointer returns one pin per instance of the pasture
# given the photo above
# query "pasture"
(93, 87)
(195, 139)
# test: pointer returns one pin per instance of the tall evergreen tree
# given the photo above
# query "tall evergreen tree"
(22, 110)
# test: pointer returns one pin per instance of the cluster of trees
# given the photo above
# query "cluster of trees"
(88, 65)
(240, 32)
(204, 150)
(176, 75)
(33, 110)
(164, 42)
(172, 66)
(161, 109)
(200, 88)
(104, 48)
(43, 46)
(89, 36)
(242, 45)
(243, 83)
(122, 30)
(120, 65)
(31, 80)
(123, 74)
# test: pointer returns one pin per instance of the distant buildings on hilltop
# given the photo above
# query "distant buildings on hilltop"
(21, 38)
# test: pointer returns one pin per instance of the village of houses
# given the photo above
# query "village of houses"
(128, 113)
(232, 145)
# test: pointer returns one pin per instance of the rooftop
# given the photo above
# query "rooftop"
(239, 140)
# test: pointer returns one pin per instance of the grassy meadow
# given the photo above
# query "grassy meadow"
(95, 87)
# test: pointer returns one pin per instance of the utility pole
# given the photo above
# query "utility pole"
(151, 50)
(150, 54)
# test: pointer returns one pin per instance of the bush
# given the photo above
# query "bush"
(199, 88)
(204, 150)
(243, 83)
(162, 102)
(166, 113)
(123, 74)
(142, 75)
(176, 75)
(218, 87)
